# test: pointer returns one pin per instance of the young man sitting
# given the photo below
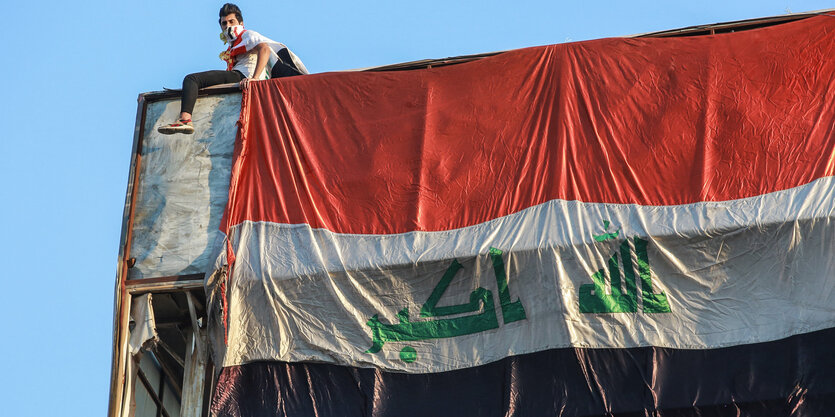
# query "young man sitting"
(250, 56)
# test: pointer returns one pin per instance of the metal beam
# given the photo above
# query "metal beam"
(151, 392)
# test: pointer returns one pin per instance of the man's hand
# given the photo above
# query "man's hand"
(244, 83)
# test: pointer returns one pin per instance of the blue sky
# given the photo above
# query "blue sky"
(72, 74)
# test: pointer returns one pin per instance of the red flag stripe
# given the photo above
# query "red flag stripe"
(630, 121)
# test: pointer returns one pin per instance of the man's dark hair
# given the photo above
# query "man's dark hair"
(228, 9)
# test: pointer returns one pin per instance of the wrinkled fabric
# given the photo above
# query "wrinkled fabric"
(627, 121)
(751, 380)
(645, 197)
(144, 333)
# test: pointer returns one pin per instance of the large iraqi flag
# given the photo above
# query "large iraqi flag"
(612, 227)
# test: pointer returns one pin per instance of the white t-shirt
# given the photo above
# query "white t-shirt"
(246, 62)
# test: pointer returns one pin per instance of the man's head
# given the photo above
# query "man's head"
(230, 15)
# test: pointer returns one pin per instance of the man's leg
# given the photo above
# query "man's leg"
(196, 81)
(281, 69)
(284, 67)
(191, 84)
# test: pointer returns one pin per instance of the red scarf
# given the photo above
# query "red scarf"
(233, 51)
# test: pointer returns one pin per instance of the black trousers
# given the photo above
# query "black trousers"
(198, 80)
(284, 67)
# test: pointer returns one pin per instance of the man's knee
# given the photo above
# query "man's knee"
(191, 79)
(281, 70)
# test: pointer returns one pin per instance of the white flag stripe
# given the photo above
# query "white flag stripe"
(737, 272)
(555, 224)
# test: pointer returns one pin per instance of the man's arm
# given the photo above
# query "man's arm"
(263, 51)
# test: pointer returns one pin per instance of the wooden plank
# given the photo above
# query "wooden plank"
(122, 302)
(194, 379)
(135, 287)
(194, 324)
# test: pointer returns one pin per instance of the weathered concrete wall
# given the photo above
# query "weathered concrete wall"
(183, 187)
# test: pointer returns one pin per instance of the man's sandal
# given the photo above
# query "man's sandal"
(180, 126)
